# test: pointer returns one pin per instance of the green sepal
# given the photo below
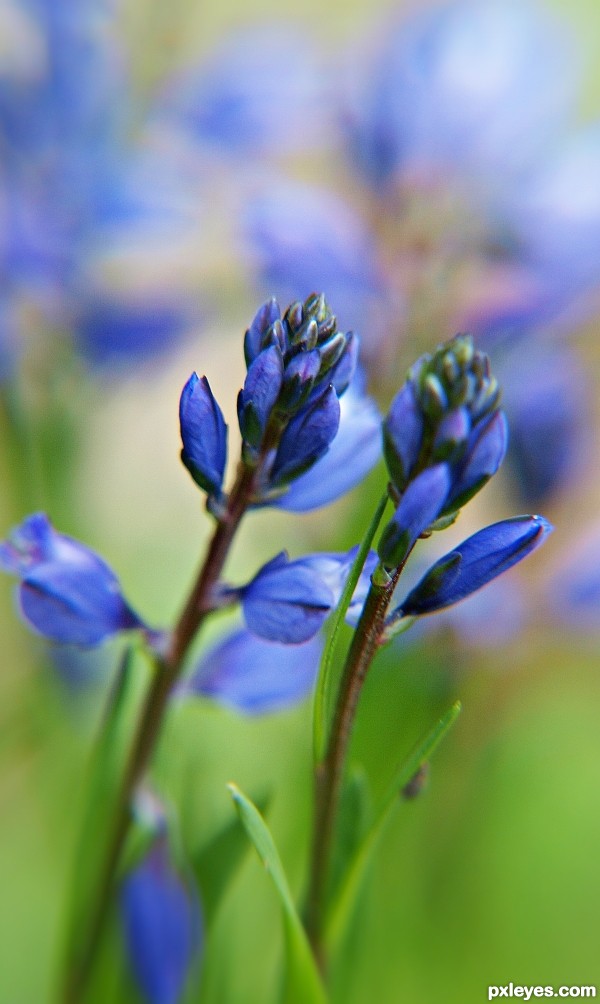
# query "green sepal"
(301, 983)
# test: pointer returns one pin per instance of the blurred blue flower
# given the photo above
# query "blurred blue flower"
(299, 238)
(547, 401)
(474, 563)
(572, 589)
(67, 592)
(480, 88)
(256, 93)
(254, 675)
(94, 223)
(162, 926)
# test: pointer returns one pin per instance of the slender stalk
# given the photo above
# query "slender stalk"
(168, 670)
(329, 773)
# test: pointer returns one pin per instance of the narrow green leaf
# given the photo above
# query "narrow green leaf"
(217, 861)
(101, 791)
(323, 692)
(347, 893)
(302, 983)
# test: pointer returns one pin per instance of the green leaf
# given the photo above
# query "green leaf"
(325, 680)
(354, 819)
(101, 792)
(342, 906)
(217, 861)
(302, 983)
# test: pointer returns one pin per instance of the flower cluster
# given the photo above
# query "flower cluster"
(444, 438)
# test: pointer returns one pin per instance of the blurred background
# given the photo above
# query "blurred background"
(431, 168)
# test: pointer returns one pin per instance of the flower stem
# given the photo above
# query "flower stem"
(168, 670)
(329, 773)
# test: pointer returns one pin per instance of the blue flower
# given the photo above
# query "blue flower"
(162, 926)
(352, 454)
(254, 675)
(302, 238)
(457, 86)
(474, 563)
(67, 593)
(256, 94)
(204, 435)
(286, 601)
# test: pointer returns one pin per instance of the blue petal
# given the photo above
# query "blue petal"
(306, 438)
(203, 433)
(334, 568)
(419, 507)
(286, 602)
(403, 435)
(256, 676)
(476, 562)
(352, 454)
(162, 929)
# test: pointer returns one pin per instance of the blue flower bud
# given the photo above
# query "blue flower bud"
(484, 453)
(420, 505)
(354, 451)
(306, 438)
(476, 562)
(261, 390)
(403, 435)
(265, 316)
(67, 593)
(298, 379)
(204, 435)
(256, 676)
(162, 925)
(287, 601)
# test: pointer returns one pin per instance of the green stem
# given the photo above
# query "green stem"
(329, 773)
(168, 670)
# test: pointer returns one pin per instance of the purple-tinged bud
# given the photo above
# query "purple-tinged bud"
(265, 316)
(204, 435)
(287, 601)
(403, 435)
(67, 592)
(420, 506)
(474, 563)
(261, 390)
(306, 438)
(162, 925)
